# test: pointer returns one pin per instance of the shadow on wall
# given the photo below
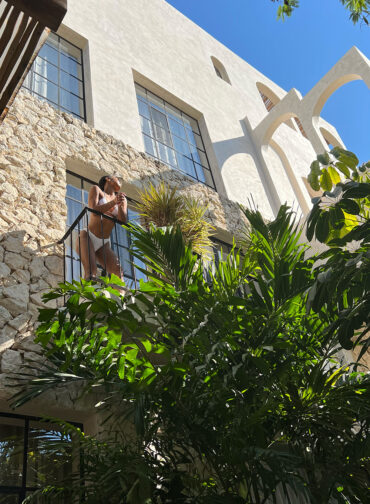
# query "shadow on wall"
(25, 274)
(251, 175)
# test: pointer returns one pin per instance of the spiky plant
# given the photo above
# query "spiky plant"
(163, 205)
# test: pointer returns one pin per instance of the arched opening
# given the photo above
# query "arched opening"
(347, 108)
(220, 70)
(270, 99)
(330, 139)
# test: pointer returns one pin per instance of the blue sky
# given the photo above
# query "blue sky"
(295, 53)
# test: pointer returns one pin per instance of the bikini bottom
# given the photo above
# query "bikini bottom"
(96, 242)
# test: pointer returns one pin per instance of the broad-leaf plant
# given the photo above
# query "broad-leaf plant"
(225, 387)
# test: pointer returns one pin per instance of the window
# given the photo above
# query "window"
(57, 76)
(220, 70)
(24, 465)
(269, 104)
(300, 127)
(77, 198)
(173, 137)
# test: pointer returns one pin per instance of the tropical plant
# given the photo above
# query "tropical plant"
(340, 219)
(236, 392)
(359, 9)
(163, 205)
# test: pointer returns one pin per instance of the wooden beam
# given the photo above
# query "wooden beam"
(49, 13)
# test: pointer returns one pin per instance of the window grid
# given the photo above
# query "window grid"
(120, 238)
(19, 491)
(177, 141)
(30, 79)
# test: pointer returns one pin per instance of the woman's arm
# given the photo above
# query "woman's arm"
(122, 210)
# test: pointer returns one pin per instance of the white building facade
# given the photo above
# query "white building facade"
(138, 90)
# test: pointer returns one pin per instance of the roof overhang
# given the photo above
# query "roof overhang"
(24, 26)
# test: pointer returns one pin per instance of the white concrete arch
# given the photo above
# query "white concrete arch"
(288, 107)
(353, 66)
(329, 137)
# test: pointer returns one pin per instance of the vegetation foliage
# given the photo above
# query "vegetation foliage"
(227, 387)
(359, 10)
(163, 205)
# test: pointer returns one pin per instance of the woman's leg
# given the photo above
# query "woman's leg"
(86, 251)
(110, 262)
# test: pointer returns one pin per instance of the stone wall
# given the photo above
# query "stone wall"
(37, 143)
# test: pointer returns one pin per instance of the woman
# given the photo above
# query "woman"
(94, 243)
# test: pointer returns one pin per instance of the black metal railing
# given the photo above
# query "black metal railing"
(119, 242)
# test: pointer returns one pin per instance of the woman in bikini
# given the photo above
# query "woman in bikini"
(94, 243)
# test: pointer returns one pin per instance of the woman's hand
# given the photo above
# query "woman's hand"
(121, 199)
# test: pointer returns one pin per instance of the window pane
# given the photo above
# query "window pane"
(190, 123)
(49, 53)
(9, 498)
(207, 175)
(181, 146)
(73, 192)
(74, 209)
(203, 158)
(44, 88)
(150, 146)
(121, 235)
(71, 102)
(143, 109)
(146, 126)
(195, 139)
(154, 100)
(177, 128)
(11, 451)
(190, 135)
(200, 173)
(139, 274)
(159, 118)
(175, 112)
(44, 467)
(140, 91)
(71, 66)
(71, 83)
(162, 135)
(45, 69)
(70, 50)
(186, 165)
(166, 154)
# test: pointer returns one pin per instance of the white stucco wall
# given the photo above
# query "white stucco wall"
(171, 56)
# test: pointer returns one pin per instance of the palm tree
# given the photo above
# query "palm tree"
(236, 393)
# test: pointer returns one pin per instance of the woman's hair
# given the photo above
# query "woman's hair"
(102, 182)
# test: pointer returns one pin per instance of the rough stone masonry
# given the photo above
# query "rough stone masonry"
(36, 144)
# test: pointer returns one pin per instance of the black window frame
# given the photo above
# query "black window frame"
(196, 146)
(22, 490)
(59, 69)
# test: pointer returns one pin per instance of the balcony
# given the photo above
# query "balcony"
(76, 239)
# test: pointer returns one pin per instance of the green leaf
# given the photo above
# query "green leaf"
(349, 206)
(335, 178)
(324, 158)
(315, 168)
(325, 180)
(313, 181)
(322, 227)
(343, 168)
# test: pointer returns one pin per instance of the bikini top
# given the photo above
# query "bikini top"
(113, 211)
